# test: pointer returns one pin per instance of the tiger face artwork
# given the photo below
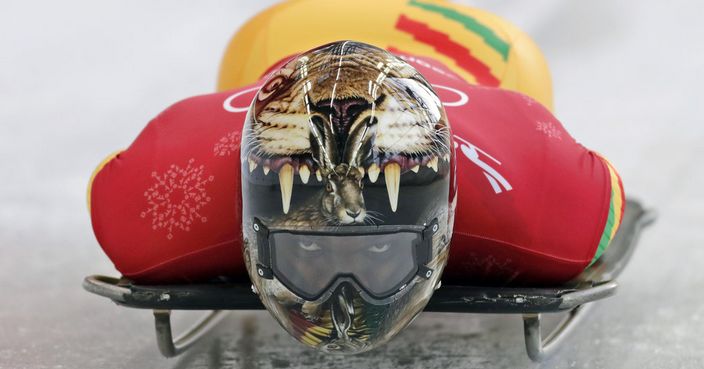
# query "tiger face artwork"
(346, 196)
(384, 118)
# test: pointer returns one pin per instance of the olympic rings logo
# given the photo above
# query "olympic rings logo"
(227, 104)
(462, 99)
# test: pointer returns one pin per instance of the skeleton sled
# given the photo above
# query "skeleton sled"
(573, 298)
(595, 283)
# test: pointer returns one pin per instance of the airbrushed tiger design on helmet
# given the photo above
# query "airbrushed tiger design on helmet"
(304, 122)
(347, 210)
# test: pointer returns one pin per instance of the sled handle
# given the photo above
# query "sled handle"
(106, 286)
(539, 349)
(164, 337)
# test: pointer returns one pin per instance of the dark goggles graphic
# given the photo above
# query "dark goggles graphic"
(382, 260)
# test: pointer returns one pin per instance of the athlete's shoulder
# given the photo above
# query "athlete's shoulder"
(226, 102)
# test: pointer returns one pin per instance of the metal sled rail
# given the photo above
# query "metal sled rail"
(595, 283)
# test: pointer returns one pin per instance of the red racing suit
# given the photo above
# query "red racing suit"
(533, 205)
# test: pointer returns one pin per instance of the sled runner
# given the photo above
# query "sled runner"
(595, 283)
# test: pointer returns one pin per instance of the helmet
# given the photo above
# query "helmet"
(347, 200)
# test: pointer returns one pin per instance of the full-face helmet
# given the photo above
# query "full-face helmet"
(347, 195)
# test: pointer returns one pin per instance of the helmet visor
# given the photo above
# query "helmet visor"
(381, 261)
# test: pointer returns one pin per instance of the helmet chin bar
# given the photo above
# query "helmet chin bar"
(421, 248)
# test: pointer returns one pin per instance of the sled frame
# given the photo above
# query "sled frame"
(595, 283)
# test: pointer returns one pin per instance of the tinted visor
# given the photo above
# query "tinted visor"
(310, 263)
(381, 261)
